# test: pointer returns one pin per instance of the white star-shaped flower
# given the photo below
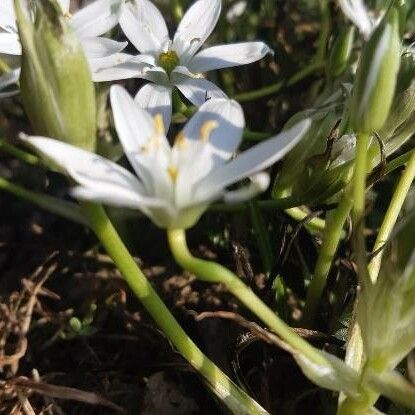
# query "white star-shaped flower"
(177, 63)
(175, 184)
(88, 23)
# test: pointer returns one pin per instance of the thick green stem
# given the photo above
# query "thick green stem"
(52, 204)
(215, 273)
(333, 233)
(277, 87)
(359, 193)
(237, 401)
(391, 216)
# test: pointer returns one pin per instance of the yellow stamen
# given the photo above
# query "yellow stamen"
(180, 141)
(159, 124)
(206, 130)
(173, 171)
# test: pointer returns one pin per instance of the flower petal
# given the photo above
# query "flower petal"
(226, 56)
(93, 172)
(118, 66)
(196, 89)
(356, 11)
(8, 79)
(258, 183)
(144, 26)
(135, 128)
(10, 44)
(64, 5)
(252, 161)
(97, 18)
(7, 16)
(100, 47)
(195, 27)
(226, 136)
(156, 99)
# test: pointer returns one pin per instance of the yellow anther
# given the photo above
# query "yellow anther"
(159, 124)
(180, 141)
(206, 130)
(172, 170)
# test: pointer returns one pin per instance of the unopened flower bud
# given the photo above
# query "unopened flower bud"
(375, 83)
(341, 51)
(56, 86)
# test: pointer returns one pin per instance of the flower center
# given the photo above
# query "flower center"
(168, 61)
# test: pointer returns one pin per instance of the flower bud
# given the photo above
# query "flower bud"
(340, 52)
(55, 81)
(376, 75)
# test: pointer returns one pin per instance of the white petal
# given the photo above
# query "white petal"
(97, 18)
(117, 66)
(116, 197)
(357, 12)
(100, 47)
(194, 161)
(156, 99)
(9, 78)
(258, 184)
(90, 170)
(6, 81)
(64, 5)
(195, 27)
(156, 74)
(196, 89)
(226, 56)
(135, 127)
(254, 160)
(7, 16)
(144, 26)
(225, 138)
(10, 44)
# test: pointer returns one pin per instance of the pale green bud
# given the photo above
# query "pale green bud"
(376, 76)
(341, 51)
(56, 85)
(386, 311)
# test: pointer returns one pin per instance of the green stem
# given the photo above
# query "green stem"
(359, 193)
(277, 87)
(59, 207)
(262, 236)
(391, 216)
(333, 233)
(314, 225)
(215, 273)
(237, 401)
(18, 153)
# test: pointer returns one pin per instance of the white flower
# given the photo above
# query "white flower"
(176, 63)
(175, 184)
(88, 23)
(362, 18)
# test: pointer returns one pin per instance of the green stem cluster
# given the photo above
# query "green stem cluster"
(237, 401)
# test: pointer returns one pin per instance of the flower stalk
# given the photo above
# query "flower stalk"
(213, 272)
(391, 216)
(331, 238)
(237, 401)
(359, 187)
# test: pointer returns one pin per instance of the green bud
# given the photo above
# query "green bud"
(340, 52)
(56, 85)
(376, 75)
(386, 311)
